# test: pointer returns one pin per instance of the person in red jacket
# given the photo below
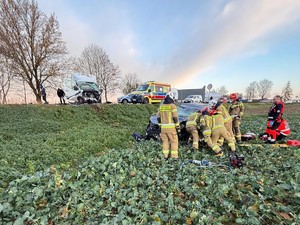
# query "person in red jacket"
(275, 118)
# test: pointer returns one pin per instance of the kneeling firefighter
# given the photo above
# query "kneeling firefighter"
(218, 129)
(205, 129)
(169, 123)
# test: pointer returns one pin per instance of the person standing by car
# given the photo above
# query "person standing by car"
(44, 95)
(168, 121)
(61, 94)
(236, 111)
(191, 127)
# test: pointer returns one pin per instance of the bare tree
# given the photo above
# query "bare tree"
(6, 76)
(32, 41)
(222, 90)
(129, 83)
(95, 61)
(251, 90)
(264, 87)
(287, 92)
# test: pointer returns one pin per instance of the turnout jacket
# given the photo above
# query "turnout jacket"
(224, 112)
(167, 117)
(237, 108)
(193, 120)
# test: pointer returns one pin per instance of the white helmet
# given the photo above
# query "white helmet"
(170, 94)
(212, 104)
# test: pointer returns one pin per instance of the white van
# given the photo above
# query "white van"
(82, 88)
(175, 92)
(193, 99)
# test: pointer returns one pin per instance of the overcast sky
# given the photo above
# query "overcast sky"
(190, 43)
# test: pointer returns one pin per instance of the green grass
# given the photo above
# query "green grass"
(33, 137)
(79, 165)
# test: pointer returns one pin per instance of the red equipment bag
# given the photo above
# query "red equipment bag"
(293, 143)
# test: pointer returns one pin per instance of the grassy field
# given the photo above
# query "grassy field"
(80, 165)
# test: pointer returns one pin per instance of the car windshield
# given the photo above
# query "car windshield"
(88, 86)
(190, 96)
(185, 111)
(142, 87)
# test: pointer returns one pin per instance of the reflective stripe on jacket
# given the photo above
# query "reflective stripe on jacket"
(167, 113)
(224, 112)
(237, 108)
(217, 120)
(205, 124)
(192, 119)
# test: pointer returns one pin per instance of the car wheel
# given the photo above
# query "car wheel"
(124, 101)
(80, 100)
(146, 101)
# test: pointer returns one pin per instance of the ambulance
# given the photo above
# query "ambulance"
(150, 92)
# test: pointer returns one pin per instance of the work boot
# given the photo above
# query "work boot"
(219, 154)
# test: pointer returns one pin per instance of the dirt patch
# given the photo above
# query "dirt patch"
(263, 108)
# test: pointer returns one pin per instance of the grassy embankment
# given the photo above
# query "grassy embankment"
(122, 183)
(33, 137)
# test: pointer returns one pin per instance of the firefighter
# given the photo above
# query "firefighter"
(275, 117)
(169, 123)
(218, 130)
(227, 120)
(205, 128)
(236, 111)
(192, 128)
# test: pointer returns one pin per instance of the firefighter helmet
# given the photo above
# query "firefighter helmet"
(212, 104)
(205, 111)
(233, 96)
(170, 94)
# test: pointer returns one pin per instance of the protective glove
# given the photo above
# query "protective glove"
(237, 117)
(178, 129)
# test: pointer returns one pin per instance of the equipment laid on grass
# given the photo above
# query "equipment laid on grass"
(293, 143)
(248, 136)
(236, 161)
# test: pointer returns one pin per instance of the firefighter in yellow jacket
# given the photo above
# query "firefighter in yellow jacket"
(205, 129)
(168, 121)
(236, 111)
(192, 128)
(219, 106)
(218, 129)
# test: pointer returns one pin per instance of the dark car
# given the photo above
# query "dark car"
(184, 110)
(125, 99)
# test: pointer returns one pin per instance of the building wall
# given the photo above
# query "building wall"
(183, 93)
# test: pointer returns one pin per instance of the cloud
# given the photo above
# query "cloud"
(237, 27)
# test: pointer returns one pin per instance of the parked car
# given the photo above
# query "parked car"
(125, 99)
(193, 99)
(184, 110)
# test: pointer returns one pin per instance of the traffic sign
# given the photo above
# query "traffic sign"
(209, 87)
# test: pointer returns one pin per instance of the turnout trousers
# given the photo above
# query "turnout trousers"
(168, 139)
